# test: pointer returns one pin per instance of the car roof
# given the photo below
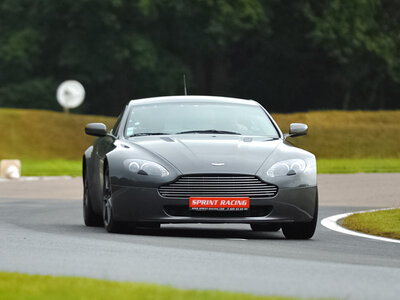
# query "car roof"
(188, 99)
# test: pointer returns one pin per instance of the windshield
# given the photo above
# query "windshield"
(201, 118)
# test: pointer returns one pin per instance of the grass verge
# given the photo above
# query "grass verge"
(52, 143)
(57, 167)
(14, 286)
(361, 165)
(52, 167)
(42, 135)
(381, 223)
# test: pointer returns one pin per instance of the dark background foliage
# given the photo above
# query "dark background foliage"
(291, 55)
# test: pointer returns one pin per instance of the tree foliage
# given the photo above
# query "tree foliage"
(364, 38)
(290, 55)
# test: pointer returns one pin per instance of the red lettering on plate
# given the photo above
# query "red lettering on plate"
(219, 202)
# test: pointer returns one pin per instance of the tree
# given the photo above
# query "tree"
(287, 54)
(363, 36)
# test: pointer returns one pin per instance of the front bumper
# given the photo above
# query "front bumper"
(141, 204)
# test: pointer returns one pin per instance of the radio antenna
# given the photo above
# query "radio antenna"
(184, 84)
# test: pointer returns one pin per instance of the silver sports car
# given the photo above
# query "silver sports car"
(199, 159)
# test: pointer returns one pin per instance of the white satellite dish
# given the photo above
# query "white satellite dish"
(70, 94)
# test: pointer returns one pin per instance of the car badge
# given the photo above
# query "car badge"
(218, 164)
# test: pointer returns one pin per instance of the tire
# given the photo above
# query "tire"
(265, 227)
(89, 217)
(109, 222)
(302, 231)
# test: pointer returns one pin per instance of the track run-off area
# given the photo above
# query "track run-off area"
(42, 232)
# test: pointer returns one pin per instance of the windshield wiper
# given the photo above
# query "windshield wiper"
(147, 133)
(209, 131)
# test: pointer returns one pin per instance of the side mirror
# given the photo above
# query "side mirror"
(297, 129)
(96, 129)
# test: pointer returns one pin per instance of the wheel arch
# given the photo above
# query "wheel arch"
(85, 160)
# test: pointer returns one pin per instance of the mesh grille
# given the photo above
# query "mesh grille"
(220, 185)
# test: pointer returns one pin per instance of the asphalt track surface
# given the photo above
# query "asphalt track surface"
(41, 231)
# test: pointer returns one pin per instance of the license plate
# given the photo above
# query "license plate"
(219, 203)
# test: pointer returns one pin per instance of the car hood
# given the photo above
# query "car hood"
(210, 153)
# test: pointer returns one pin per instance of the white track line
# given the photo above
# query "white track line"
(331, 223)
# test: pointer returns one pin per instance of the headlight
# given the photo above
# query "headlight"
(145, 167)
(287, 168)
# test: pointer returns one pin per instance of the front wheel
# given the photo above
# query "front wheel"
(302, 231)
(110, 224)
(90, 218)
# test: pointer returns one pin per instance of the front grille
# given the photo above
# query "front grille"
(218, 186)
